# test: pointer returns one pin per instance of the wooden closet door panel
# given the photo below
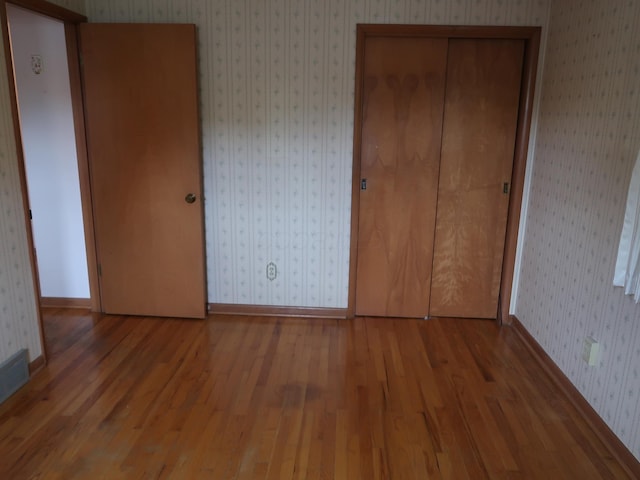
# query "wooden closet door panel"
(403, 85)
(480, 119)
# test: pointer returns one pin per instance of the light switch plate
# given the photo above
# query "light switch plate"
(590, 351)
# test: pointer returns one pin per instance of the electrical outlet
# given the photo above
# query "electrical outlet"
(272, 271)
(590, 351)
(36, 64)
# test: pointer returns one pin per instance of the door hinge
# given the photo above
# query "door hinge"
(99, 270)
(505, 188)
(363, 184)
(30, 215)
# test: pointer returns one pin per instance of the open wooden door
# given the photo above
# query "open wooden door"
(143, 142)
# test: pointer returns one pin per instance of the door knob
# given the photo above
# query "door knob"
(190, 198)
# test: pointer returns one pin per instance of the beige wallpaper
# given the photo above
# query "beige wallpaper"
(588, 138)
(18, 323)
(74, 5)
(277, 95)
(277, 82)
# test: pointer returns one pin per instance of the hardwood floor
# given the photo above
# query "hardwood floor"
(280, 398)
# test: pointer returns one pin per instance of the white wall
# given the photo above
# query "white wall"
(277, 81)
(48, 137)
(588, 138)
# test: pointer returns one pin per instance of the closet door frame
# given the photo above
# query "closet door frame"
(531, 37)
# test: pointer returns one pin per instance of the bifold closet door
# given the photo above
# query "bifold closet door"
(478, 141)
(403, 97)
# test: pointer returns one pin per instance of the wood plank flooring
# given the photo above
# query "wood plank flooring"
(282, 398)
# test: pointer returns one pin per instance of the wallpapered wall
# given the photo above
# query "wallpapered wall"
(74, 5)
(18, 321)
(277, 86)
(277, 82)
(588, 138)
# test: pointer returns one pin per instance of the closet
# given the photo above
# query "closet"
(436, 133)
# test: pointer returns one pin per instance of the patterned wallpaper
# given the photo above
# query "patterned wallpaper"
(277, 82)
(588, 138)
(18, 322)
(74, 5)
(277, 96)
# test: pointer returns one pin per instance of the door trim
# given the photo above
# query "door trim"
(77, 104)
(70, 19)
(531, 37)
(48, 9)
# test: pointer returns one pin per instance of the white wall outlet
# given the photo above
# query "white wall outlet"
(272, 271)
(36, 64)
(590, 351)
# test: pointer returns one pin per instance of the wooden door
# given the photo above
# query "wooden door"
(403, 92)
(479, 133)
(144, 155)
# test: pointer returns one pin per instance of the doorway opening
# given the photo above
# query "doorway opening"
(45, 111)
(37, 62)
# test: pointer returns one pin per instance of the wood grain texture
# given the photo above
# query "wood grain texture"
(525, 114)
(272, 398)
(531, 37)
(36, 364)
(65, 302)
(275, 311)
(478, 141)
(403, 91)
(447, 31)
(144, 151)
